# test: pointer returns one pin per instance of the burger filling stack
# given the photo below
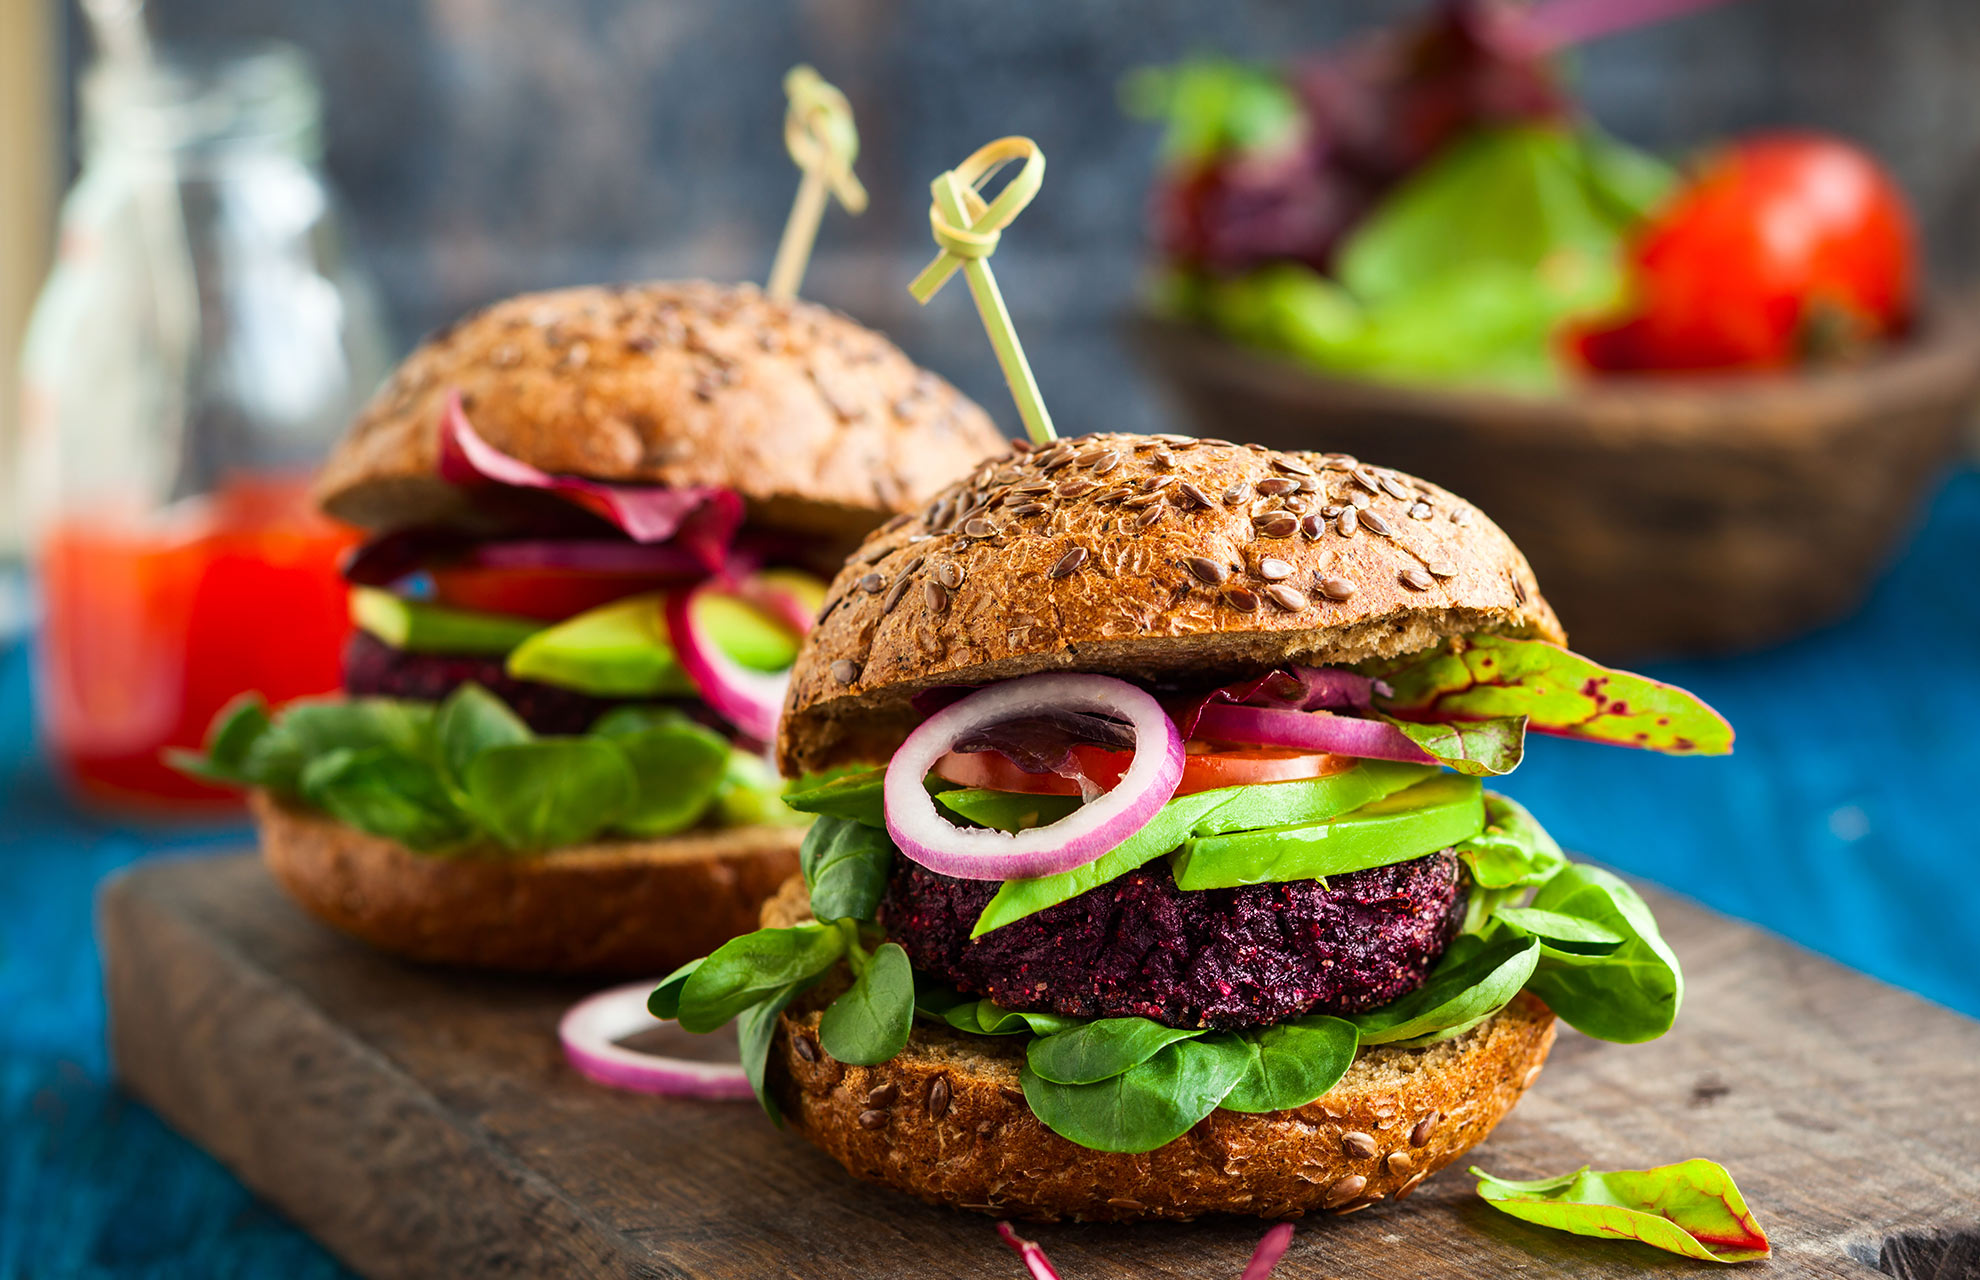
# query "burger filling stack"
(1157, 870)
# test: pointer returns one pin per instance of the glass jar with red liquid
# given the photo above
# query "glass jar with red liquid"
(199, 344)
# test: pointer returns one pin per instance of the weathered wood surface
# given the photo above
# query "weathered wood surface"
(423, 1123)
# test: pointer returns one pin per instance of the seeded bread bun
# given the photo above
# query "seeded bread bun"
(1144, 556)
(946, 1121)
(620, 907)
(821, 424)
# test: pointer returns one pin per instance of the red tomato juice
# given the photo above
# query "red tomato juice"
(151, 625)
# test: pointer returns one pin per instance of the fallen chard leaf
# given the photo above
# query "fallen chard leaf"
(1560, 693)
(1691, 1208)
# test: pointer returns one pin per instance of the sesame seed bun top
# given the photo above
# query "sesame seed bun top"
(821, 424)
(1150, 557)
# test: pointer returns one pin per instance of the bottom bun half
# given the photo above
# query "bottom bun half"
(946, 1121)
(622, 908)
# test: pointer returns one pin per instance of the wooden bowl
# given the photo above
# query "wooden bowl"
(1662, 517)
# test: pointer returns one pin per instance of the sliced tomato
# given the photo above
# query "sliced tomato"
(1204, 770)
(549, 594)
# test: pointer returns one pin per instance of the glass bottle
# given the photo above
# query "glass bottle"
(199, 343)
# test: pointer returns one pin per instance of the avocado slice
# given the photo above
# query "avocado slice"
(1432, 815)
(418, 627)
(1240, 808)
(620, 650)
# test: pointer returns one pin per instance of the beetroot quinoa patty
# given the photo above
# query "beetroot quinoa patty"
(1223, 958)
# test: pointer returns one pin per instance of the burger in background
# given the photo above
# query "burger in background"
(600, 520)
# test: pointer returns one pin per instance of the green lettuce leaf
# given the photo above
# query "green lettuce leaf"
(1483, 677)
(1212, 106)
(1692, 1208)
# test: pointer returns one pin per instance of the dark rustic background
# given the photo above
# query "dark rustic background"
(490, 146)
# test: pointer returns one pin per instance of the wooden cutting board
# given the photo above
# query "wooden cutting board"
(423, 1123)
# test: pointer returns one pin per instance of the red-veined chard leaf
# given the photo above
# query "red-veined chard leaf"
(1562, 693)
(1691, 1208)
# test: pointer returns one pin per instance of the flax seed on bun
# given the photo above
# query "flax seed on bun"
(1145, 556)
(821, 424)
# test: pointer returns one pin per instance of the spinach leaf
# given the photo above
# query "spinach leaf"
(1512, 850)
(1147, 1105)
(1476, 748)
(469, 722)
(1629, 994)
(870, 1021)
(230, 739)
(1105, 1047)
(750, 794)
(981, 1017)
(1568, 933)
(388, 793)
(1292, 1063)
(756, 1025)
(1016, 899)
(1692, 1208)
(320, 726)
(1559, 692)
(1006, 810)
(665, 1002)
(934, 998)
(752, 968)
(677, 765)
(855, 796)
(845, 865)
(1474, 980)
(548, 793)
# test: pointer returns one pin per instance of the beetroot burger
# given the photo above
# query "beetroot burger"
(1156, 873)
(601, 520)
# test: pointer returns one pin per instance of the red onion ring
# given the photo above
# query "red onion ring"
(591, 1028)
(1310, 731)
(634, 559)
(971, 853)
(646, 513)
(750, 700)
(780, 602)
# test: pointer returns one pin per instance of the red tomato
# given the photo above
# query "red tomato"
(549, 594)
(1204, 771)
(1783, 246)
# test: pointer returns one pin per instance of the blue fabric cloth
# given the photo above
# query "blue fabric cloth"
(1845, 821)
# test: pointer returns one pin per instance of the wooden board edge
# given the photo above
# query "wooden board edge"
(368, 1162)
